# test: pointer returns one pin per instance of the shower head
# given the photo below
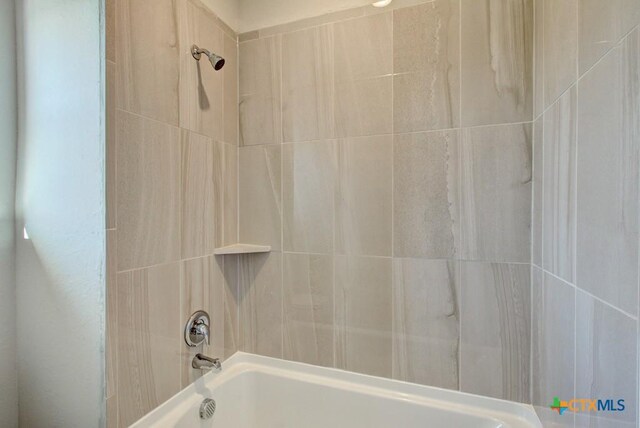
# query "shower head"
(216, 60)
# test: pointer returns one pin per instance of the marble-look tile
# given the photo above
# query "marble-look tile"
(231, 305)
(536, 210)
(559, 213)
(606, 361)
(225, 189)
(307, 84)
(363, 314)
(560, 52)
(230, 91)
(260, 304)
(553, 329)
(308, 308)
(426, 96)
(112, 412)
(364, 107)
(364, 47)
(308, 186)
(496, 193)
(425, 211)
(197, 195)
(495, 330)
(538, 58)
(608, 158)
(497, 61)
(148, 58)
(148, 339)
(426, 322)
(260, 87)
(201, 87)
(202, 288)
(110, 142)
(601, 25)
(110, 30)
(111, 334)
(148, 188)
(260, 195)
(363, 199)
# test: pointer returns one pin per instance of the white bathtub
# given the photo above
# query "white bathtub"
(259, 392)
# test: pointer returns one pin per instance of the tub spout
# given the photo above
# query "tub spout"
(203, 362)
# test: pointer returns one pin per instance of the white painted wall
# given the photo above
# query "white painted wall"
(8, 106)
(257, 14)
(60, 198)
(227, 10)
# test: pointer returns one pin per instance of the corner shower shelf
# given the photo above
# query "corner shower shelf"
(242, 249)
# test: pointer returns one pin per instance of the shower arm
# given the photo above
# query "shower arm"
(197, 52)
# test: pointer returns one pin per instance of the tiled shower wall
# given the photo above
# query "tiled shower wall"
(585, 208)
(386, 156)
(172, 195)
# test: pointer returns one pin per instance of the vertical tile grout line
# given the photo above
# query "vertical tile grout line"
(236, 330)
(575, 207)
(393, 150)
(334, 338)
(458, 166)
(280, 45)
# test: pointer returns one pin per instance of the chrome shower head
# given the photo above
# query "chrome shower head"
(216, 60)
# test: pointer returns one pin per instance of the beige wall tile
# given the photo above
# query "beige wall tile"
(230, 79)
(149, 330)
(560, 47)
(110, 29)
(308, 308)
(260, 102)
(260, 196)
(496, 328)
(601, 25)
(307, 79)
(537, 204)
(112, 412)
(559, 212)
(426, 322)
(552, 348)
(364, 47)
(426, 52)
(201, 87)
(148, 177)
(148, 58)
(497, 53)
(202, 288)
(426, 193)
(363, 314)
(110, 142)
(363, 202)
(260, 304)
(308, 185)
(606, 363)
(231, 305)
(608, 158)
(364, 107)
(225, 187)
(198, 201)
(111, 336)
(538, 58)
(496, 193)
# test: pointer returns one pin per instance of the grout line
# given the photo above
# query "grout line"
(429, 131)
(590, 295)
(574, 270)
(279, 41)
(459, 184)
(393, 265)
(178, 127)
